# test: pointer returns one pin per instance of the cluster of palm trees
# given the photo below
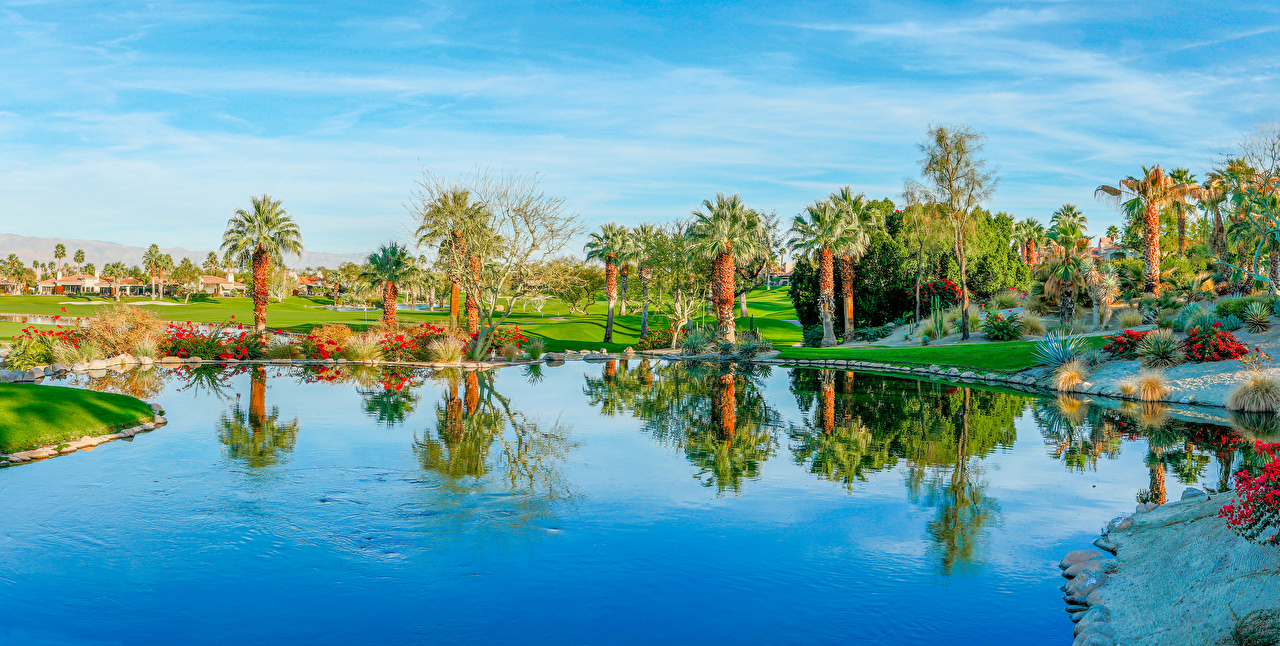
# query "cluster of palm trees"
(837, 226)
(620, 248)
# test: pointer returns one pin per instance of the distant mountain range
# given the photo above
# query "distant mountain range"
(100, 253)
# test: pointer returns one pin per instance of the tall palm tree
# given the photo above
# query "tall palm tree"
(1069, 221)
(628, 253)
(79, 258)
(59, 252)
(442, 224)
(646, 239)
(859, 219)
(264, 232)
(152, 260)
(818, 232)
(1182, 207)
(726, 231)
(256, 436)
(1029, 236)
(1152, 193)
(1065, 274)
(605, 245)
(391, 265)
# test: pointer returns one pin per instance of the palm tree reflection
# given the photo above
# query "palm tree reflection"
(256, 437)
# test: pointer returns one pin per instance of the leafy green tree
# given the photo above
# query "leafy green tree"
(187, 277)
(258, 235)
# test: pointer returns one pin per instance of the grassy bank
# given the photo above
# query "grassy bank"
(768, 309)
(1003, 357)
(33, 416)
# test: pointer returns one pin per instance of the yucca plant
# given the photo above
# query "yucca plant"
(1159, 350)
(1057, 348)
(1257, 317)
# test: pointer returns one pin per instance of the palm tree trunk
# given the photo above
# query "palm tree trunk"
(473, 304)
(724, 295)
(1033, 253)
(261, 266)
(846, 279)
(644, 294)
(389, 294)
(610, 294)
(258, 399)
(725, 412)
(1151, 234)
(473, 392)
(826, 296)
(1182, 233)
(828, 382)
(742, 305)
(453, 300)
(623, 272)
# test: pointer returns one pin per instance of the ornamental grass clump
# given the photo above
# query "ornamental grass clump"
(509, 351)
(534, 349)
(68, 353)
(1129, 318)
(445, 349)
(1057, 348)
(120, 328)
(1159, 350)
(1258, 394)
(1255, 514)
(1212, 343)
(1124, 345)
(1069, 375)
(1257, 317)
(364, 347)
(1148, 386)
(1033, 325)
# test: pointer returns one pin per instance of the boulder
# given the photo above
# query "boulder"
(146, 361)
(170, 359)
(1192, 492)
(194, 359)
(97, 364)
(629, 352)
(1079, 556)
(60, 367)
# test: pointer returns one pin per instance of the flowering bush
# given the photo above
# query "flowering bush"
(1255, 359)
(320, 347)
(397, 346)
(999, 328)
(1125, 344)
(34, 346)
(657, 338)
(188, 340)
(944, 288)
(1257, 510)
(1212, 343)
(509, 334)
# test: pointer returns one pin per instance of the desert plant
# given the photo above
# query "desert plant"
(120, 328)
(148, 347)
(282, 351)
(1057, 348)
(1124, 345)
(364, 347)
(1037, 306)
(1275, 308)
(701, 339)
(1257, 317)
(509, 351)
(1159, 350)
(1069, 375)
(338, 334)
(1129, 318)
(535, 348)
(1258, 628)
(1148, 386)
(1229, 306)
(1258, 394)
(71, 353)
(1231, 323)
(1006, 300)
(999, 328)
(1033, 325)
(1127, 389)
(751, 343)
(445, 349)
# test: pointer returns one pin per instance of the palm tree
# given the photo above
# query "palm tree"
(859, 220)
(152, 259)
(605, 246)
(389, 266)
(115, 272)
(211, 265)
(257, 437)
(1151, 193)
(818, 232)
(1064, 274)
(725, 231)
(443, 222)
(79, 258)
(1069, 221)
(646, 239)
(257, 236)
(59, 252)
(1181, 207)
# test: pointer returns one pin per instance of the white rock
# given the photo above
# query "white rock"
(97, 364)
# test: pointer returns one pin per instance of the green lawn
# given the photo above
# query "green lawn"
(300, 314)
(32, 416)
(1008, 356)
(9, 330)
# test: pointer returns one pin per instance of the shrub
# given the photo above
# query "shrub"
(1212, 344)
(509, 334)
(1037, 307)
(1069, 375)
(534, 349)
(999, 328)
(1256, 513)
(1275, 308)
(1057, 348)
(751, 343)
(445, 349)
(812, 337)
(1006, 300)
(944, 288)
(872, 333)
(364, 347)
(34, 347)
(396, 346)
(1258, 628)
(188, 340)
(1257, 317)
(1129, 318)
(1124, 345)
(120, 328)
(69, 353)
(148, 347)
(1033, 325)
(509, 351)
(1229, 306)
(1158, 349)
(283, 351)
(702, 339)
(1258, 394)
(1254, 360)
(1149, 386)
(656, 339)
(332, 336)
(1232, 323)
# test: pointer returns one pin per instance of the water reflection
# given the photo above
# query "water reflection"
(254, 436)
(143, 382)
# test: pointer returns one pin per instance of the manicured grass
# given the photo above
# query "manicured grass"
(9, 330)
(1007, 356)
(32, 415)
(301, 314)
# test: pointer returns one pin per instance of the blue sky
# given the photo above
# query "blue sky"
(152, 122)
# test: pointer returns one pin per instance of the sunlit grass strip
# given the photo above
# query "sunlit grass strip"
(32, 416)
(1006, 356)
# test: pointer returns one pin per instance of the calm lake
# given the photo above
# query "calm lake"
(608, 503)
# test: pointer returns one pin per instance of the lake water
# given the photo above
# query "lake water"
(618, 503)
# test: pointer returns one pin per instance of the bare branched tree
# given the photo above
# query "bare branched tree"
(1260, 148)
